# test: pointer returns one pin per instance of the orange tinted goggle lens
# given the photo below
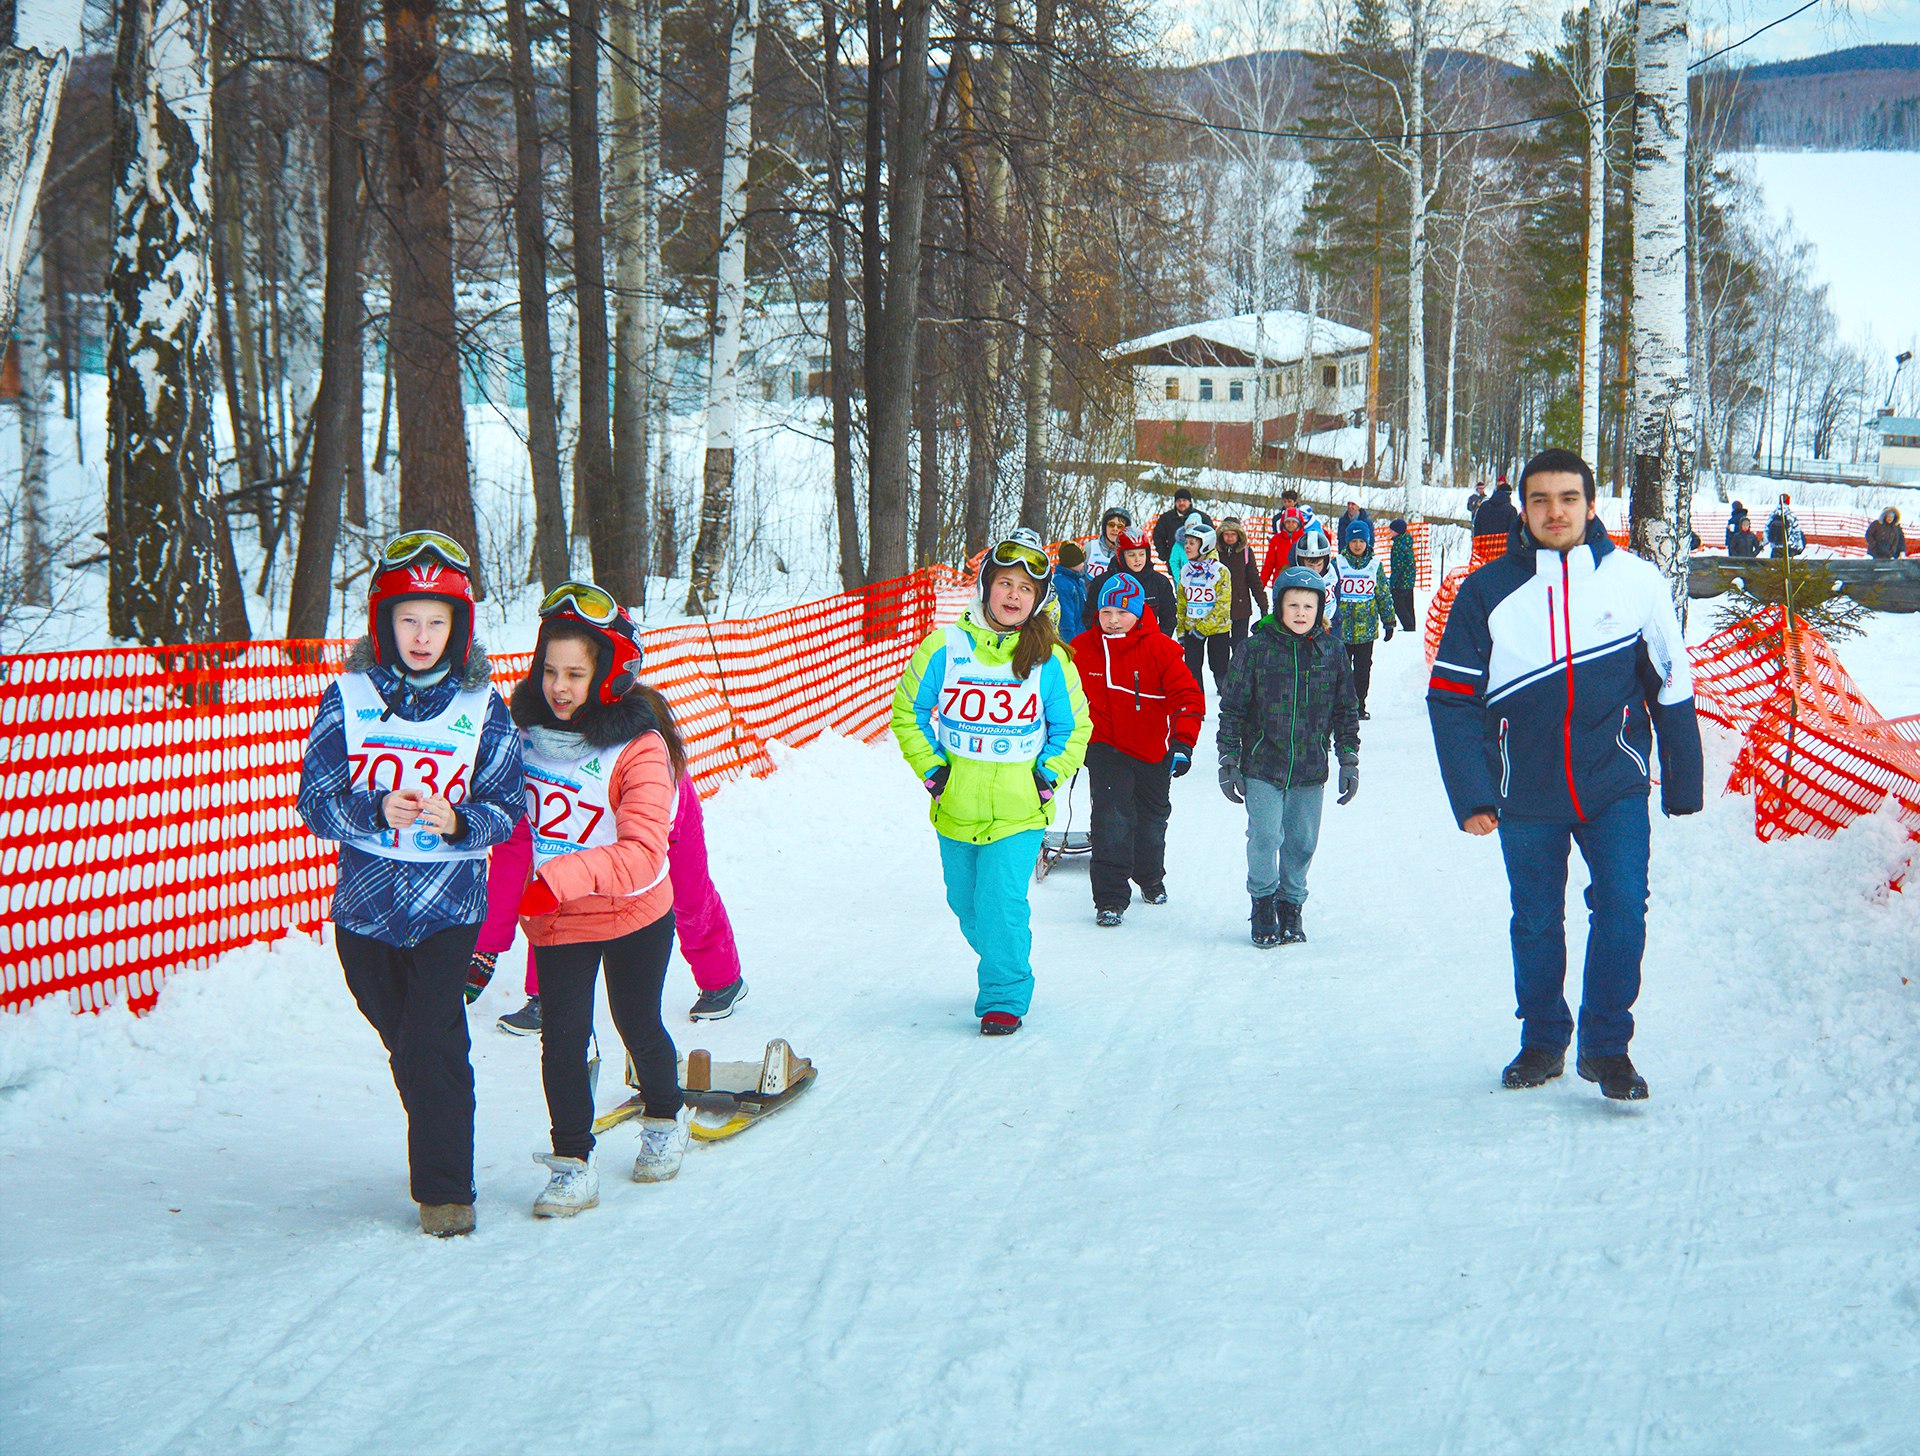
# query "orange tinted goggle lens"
(584, 600)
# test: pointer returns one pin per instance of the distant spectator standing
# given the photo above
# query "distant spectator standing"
(1476, 498)
(1070, 590)
(1743, 542)
(1497, 517)
(1168, 525)
(1736, 517)
(1288, 527)
(1402, 571)
(1236, 554)
(1783, 531)
(1885, 540)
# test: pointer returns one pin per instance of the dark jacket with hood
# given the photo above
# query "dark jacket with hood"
(1287, 699)
(1885, 540)
(1496, 516)
(1159, 590)
(1247, 590)
(402, 902)
(1166, 530)
(1555, 671)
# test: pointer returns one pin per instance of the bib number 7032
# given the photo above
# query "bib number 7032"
(965, 704)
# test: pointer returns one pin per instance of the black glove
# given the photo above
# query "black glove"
(1182, 760)
(1389, 631)
(935, 783)
(1043, 786)
(1233, 784)
(1349, 782)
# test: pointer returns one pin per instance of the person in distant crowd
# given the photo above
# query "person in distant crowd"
(1289, 696)
(1168, 525)
(1737, 516)
(1476, 498)
(1403, 571)
(1137, 562)
(1290, 501)
(1236, 554)
(1783, 531)
(1885, 540)
(1106, 545)
(1354, 512)
(1743, 542)
(1366, 606)
(1546, 736)
(605, 766)
(1146, 710)
(1203, 600)
(990, 715)
(1070, 582)
(417, 695)
(1497, 516)
(1288, 527)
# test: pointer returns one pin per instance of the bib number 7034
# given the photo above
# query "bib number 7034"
(964, 704)
(389, 772)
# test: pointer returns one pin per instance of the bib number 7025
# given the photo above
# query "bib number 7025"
(964, 704)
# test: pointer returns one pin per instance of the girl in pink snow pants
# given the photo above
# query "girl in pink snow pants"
(700, 919)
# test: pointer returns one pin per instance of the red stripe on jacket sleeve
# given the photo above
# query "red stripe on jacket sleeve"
(1436, 681)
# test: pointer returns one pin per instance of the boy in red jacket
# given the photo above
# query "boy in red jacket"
(1146, 715)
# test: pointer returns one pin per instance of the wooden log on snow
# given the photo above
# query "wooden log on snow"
(1885, 586)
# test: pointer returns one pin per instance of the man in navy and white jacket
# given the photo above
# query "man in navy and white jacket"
(1561, 661)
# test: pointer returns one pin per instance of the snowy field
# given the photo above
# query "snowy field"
(1210, 1199)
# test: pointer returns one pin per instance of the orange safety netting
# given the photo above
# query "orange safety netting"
(149, 793)
(1838, 533)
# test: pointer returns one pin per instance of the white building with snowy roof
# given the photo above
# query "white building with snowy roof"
(1204, 393)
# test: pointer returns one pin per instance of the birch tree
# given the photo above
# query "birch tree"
(1592, 92)
(841, 368)
(634, 121)
(36, 44)
(34, 576)
(729, 308)
(1662, 500)
(163, 504)
(1041, 245)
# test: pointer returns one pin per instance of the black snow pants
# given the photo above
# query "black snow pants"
(636, 972)
(1132, 802)
(1216, 651)
(1360, 654)
(1403, 607)
(413, 995)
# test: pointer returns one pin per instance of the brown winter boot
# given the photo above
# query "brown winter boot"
(446, 1220)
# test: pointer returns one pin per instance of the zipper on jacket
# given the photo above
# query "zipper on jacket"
(1506, 764)
(1626, 717)
(1566, 726)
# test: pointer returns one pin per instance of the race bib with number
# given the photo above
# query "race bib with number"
(433, 757)
(985, 712)
(568, 805)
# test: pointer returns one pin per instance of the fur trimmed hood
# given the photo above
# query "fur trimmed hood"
(599, 725)
(478, 675)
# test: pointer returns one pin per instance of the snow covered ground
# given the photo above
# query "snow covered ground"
(1210, 1199)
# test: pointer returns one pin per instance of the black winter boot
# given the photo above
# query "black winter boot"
(1292, 932)
(1266, 923)
(1615, 1075)
(1534, 1067)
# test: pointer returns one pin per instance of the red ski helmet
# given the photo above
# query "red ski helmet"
(428, 565)
(1135, 541)
(593, 610)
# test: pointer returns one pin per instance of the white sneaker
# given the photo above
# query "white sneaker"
(663, 1143)
(573, 1187)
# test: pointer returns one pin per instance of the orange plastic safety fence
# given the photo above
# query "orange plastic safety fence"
(1837, 533)
(149, 794)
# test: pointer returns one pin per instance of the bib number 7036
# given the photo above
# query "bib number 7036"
(389, 772)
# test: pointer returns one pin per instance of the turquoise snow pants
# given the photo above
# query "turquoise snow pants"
(987, 891)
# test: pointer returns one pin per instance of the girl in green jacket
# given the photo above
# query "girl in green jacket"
(991, 716)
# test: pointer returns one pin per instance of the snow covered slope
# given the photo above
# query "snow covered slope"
(1211, 1199)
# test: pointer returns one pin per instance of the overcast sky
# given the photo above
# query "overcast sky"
(1201, 28)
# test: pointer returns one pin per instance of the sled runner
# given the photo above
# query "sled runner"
(1064, 842)
(727, 1097)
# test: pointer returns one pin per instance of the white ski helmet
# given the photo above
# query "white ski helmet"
(1203, 533)
(1021, 548)
(1314, 545)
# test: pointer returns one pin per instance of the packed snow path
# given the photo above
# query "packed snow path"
(1211, 1198)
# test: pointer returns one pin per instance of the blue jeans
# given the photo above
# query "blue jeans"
(1283, 829)
(1615, 844)
(987, 891)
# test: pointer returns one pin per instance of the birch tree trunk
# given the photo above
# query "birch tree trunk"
(1039, 381)
(840, 365)
(729, 307)
(30, 334)
(890, 382)
(1415, 454)
(983, 434)
(342, 365)
(536, 341)
(1447, 456)
(632, 199)
(424, 336)
(1592, 316)
(1662, 501)
(35, 49)
(162, 495)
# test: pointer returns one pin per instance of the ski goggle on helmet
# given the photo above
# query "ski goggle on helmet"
(583, 599)
(1021, 549)
(620, 652)
(421, 564)
(411, 546)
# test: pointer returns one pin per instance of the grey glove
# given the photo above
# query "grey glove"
(1349, 782)
(1233, 784)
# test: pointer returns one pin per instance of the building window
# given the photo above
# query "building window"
(1901, 442)
(1236, 390)
(1173, 387)
(1206, 390)
(1330, 376)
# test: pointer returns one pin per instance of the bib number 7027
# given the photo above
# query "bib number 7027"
(553, 811)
